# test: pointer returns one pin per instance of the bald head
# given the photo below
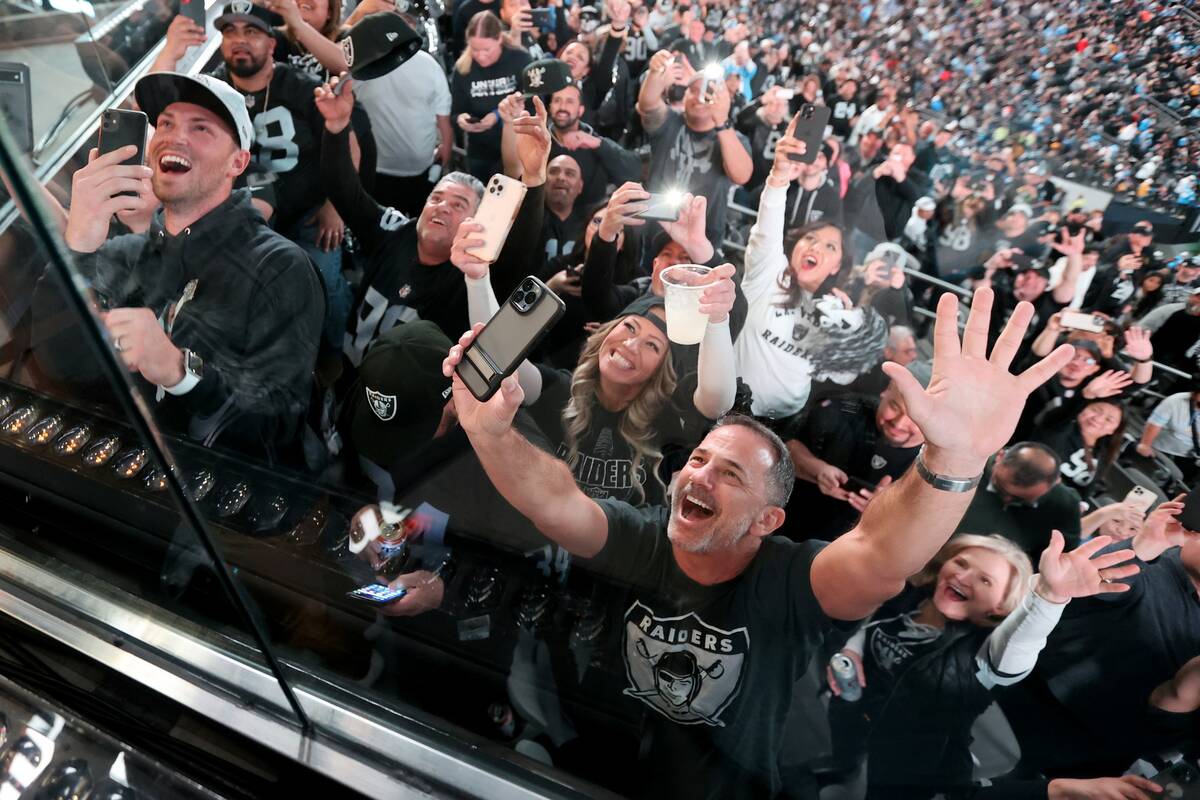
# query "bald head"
(1025, 472)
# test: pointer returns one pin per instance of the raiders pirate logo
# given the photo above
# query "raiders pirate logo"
(405, 291)
(383, 405)
(536, 77)
(878, 461)
(241, 7)
(683, 668)
(348, 51)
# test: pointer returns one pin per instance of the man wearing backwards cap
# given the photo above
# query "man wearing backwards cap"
(210, 306)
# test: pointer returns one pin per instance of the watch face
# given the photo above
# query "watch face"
(193, 364)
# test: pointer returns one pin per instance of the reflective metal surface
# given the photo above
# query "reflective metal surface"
(396, 758)
(233, 499)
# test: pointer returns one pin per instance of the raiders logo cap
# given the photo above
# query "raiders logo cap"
(157, 90)
(378, 44)
(250, 13)
(397, 404)
(545, 76)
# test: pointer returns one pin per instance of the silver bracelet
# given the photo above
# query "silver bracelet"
(944, 482)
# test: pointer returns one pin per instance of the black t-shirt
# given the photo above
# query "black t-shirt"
(1027, 525)
(479, 92)
(287, 141)
(843, 112)
(763, 138)
(890, 646)
(604, 468)
(1177, 342)
(715, 664)
(559, 235)
(842, 432)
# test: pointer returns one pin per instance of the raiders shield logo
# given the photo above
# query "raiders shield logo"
(536, 76)
(348, 51)
(383, 405)
(682, 667)
(878, 461)
(241, 7)
(405, 291)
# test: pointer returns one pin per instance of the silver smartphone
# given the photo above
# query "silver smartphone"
(509, 335)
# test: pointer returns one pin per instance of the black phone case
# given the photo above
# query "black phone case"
(811, 131)
(120, 127)
(16, 103)
(1189, 518)
(193, 10)
(507, 339)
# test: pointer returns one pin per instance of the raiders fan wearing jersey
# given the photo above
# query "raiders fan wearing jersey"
(723, 617)
(407, 274)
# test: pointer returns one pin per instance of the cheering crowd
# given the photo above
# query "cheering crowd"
(295, 273)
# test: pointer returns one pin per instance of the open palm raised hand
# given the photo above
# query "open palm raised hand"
(1081, 572)
(973, 402)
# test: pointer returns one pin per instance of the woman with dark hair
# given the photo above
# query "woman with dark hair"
(488, 70)
(594, 76)
(1087, 435)
(1149, 293)
(800, 325)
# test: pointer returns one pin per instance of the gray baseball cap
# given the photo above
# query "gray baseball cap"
(156, 91)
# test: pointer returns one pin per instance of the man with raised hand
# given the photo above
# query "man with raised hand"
(724, 617)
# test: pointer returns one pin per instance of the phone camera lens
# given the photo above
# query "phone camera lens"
(527, 286)
(530, 298)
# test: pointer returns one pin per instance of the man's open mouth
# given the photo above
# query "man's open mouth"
(174, 164)
(693, 509)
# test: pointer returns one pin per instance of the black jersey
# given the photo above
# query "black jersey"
(287, 141)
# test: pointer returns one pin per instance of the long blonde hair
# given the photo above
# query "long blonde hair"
(1007, 549)
(637, 420)
(485, 24)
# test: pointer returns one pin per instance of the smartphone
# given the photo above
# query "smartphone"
(714, 75)
(1180, 781)
(1141, 498)
(662, 206)
(496, 213)
(1189, 518)
(855, 484)
(474, 120)
(16, 103)
(510, 334)
(892, 259)
(1079, 321)
(377, 593)
(120, 127)
(543, 19)
(193, 10)
(810, 128)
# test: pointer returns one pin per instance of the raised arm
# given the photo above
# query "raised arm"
(182, 33)
(968, 412)
(536, 483)
(329, 53)
(650, 104)
(1073, 250)
(716, 385)
(356, 207)
(735, 156)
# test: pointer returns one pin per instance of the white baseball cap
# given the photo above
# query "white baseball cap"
(156, 91)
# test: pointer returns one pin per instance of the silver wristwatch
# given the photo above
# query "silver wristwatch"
(944, 482)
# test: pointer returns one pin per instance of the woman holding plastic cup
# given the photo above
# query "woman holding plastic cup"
(801, 327)
(611, 417)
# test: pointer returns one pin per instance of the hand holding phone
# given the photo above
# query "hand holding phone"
(810, 129)
(1077, 320)
(483, 360)
(378, 594)
(496, 213)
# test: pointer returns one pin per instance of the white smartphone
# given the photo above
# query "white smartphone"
(1077, 320)
(1141, 498)
(496, 213)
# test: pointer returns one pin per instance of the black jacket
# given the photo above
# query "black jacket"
(920, 734)
(254, 319)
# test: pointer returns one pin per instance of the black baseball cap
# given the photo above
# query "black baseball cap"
(545, 76)
(378, 44)
(398, 400)
(250, 13)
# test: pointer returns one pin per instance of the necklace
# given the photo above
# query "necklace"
(250, 99)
